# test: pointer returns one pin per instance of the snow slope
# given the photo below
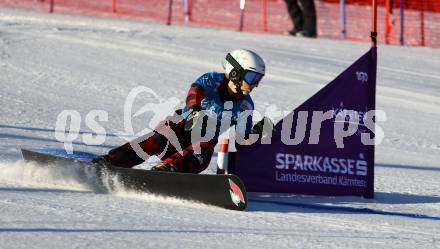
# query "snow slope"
(51, 63)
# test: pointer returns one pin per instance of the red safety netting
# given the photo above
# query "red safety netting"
(421, 17)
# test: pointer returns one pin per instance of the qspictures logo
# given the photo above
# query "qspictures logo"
(69, 122)
(344, 123)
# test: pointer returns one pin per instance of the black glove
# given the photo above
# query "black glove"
(193, 119)
(264, 127)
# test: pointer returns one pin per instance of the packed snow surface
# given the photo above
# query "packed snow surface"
(52, 63)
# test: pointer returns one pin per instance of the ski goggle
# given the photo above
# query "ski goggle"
(252, 78)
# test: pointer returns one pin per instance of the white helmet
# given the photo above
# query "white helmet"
(244, 64)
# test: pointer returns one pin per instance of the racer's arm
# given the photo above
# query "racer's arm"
(194, 97)
(193, 105)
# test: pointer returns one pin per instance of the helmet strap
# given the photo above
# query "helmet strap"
(236, 74)
(238, 88)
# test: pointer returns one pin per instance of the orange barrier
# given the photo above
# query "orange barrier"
(421, 22)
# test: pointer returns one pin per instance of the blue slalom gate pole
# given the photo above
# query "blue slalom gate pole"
(342, 19)
(402, 23)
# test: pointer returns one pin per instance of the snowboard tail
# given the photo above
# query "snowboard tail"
(225, 191)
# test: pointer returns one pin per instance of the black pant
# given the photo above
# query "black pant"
(158, 143)
(303, 15)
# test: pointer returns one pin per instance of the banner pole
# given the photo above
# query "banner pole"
(170, 12)
(222, 157)
(402, 23)
(388, 24)
(374, 25)
(242, 6)
(189, 10)
(51, 6)
(264, 14)
(372, 97)
(185, 11)
(114, 6)
(422, 23)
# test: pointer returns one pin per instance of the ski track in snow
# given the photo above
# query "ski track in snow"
(51, 63)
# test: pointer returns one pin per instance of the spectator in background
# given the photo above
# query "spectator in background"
(303, 15)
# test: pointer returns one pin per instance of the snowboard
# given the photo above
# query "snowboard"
(225, 191)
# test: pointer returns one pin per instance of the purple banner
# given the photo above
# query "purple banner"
(323, 147)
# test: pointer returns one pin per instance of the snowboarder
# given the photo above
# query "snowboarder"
(213, 92)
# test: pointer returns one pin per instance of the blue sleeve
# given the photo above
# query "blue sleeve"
(199, 90)
(207, 81)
